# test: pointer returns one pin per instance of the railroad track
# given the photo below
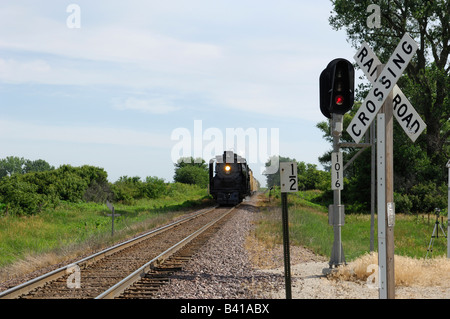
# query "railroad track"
(133, 269)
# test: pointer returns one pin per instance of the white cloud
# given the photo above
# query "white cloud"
(23, 29)
(13, 71)
(153, 105)
(267, 68)
(17, 130)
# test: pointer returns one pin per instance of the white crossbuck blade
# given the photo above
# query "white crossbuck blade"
(404, 112)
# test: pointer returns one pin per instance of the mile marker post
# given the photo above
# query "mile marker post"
(288, 183)
(111, 207)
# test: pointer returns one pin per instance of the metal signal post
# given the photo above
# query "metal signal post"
(337, 84)
(288, 183)
(336, 211)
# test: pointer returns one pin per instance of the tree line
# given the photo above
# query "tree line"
(27, 187)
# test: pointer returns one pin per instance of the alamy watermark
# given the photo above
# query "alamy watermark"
(73, 21)
(374, 20)
(255, 145)
(74, 279)
(373, 280)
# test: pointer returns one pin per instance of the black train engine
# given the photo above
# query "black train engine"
(231, 180)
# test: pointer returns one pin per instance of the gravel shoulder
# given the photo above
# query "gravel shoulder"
(233, 264)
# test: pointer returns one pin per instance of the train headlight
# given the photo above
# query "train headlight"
(227, 168)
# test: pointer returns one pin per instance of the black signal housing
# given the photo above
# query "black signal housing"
(337, 87)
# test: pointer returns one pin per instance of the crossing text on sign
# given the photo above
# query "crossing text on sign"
(382, 87)
(406, 115)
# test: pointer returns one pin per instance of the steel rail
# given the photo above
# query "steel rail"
(125, 283)
(28, 286)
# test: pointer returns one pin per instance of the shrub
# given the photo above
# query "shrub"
(153, 187)
(98, 192)
(426, 196)
(127, 189)
(28, 193)
(403, 203)
(192, 175)
(20, 197)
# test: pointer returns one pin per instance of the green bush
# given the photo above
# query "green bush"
(153, 187)
(425, 197)
(98, 192)
(403, 203)
(126, 189)
(192, 175)
(28, 193)
(20, 197)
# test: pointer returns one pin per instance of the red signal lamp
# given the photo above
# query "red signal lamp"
(339, 100)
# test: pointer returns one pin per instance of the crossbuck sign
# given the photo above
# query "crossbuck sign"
(405, 114)
(383, 85)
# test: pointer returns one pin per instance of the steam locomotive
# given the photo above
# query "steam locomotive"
(230, 179)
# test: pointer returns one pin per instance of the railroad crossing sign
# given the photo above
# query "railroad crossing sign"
(382, 87)
(406, 115)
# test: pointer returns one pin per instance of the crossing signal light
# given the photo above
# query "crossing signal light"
(339, 100)
(337, 87)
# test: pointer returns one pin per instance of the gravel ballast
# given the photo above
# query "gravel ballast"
(232, 264)
(222, 268)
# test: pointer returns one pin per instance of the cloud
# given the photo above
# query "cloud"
(18, 130)
(13, 71)
(230, 58)
(23, 29)
(153, 105)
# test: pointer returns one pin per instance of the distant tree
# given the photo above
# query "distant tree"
(12, 165)
(153, 187)
(274, 179)
(37, 166)
(190, 171)
(18, 165)
(190, 161)
(308, 176)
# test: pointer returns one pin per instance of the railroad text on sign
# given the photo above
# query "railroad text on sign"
(406, 115)
(382, 87)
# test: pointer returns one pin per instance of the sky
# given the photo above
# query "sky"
(131, 86)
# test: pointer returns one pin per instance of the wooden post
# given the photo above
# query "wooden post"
(390, 209)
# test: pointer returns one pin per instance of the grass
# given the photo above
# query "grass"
(70, 229)
(308, 226)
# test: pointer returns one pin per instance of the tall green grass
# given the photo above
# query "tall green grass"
(308, 227)
(71, 224)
